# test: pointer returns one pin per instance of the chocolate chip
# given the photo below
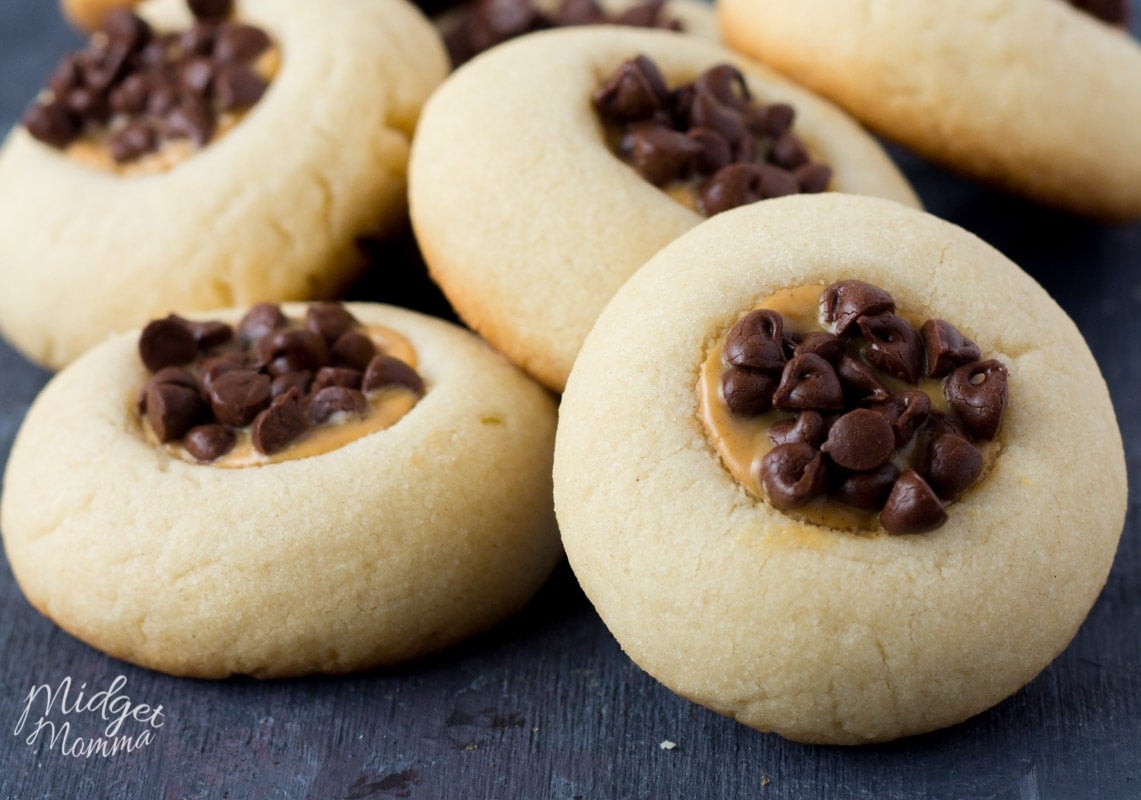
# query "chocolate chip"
(172, 409)
(237, 396)
(813, 178)
(279, 425)
(291, 380)
(578, 12)
(385, 371)
(866, 490)
(912, 506)
(645, 15)
(825, 345)
(180, 376)
(893, 346)
(807, 427)
(792, 475)
(977, 394)
(260, 320)
(88, 105)
(211, 368)
(726, 84)
(939, 423)
(910, 410)
(860, 440)
(635, 91)
(334, 399)
(706, 111)
(166, 343)
(715, 153)
(748, 393)
(337, 376)
(135, 140)
(211, 334)
(952, 465)
(509, 18)
(191, 119)
(946, 348)
(130, 96)
(198, 40)
(330, 320)
(661, 154)
(239, 43)
(211, 9)
(51, 123)
(238, 87)
(209, 442)
(162, 100)
(755, 342)
(730, 187)
(196, 75)
(291, 350)
(127, 28)
(102, 65)
(809, 382)
(789, 152)
(844, 302)
(860, 384)
(772, 121)
(353, 349)
(65, 76)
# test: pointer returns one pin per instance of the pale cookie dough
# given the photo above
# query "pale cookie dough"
(395, 545)
(822, 635)
(526, 218)
(1031, 95)
(271, 211)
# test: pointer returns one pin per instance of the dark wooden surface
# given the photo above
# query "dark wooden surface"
(547, 706)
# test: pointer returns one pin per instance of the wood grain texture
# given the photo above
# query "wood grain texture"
(547, 706)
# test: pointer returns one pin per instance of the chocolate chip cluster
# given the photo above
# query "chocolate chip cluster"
(485, 23)
(144, 88)
(848, 427)
(1115, 12)
(710, 131)
(278, 376)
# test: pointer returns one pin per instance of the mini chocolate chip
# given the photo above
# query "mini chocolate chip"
(842, 303)
(166, 343)
(635, 91)
(291, 350)
(384, 371)
(788, 151)
(507, 19)
(211, 334)
(792, 475)
(939, 423)
(239, 43)
(260, 320)
(51, 123)
(179, 376)
(912, 506)
(755, 342)
(279, 425)
(191, 119)
(748, 393)
(301, 380)
(825, 345)
(644, 15)
(210, 368)
(866, 490)
(330, 320)
(813, 178)
(661, 154)
(131, 30)
(977, 394)
(238, 87)
(893, 346)
(333, 399)
(337, 376)
(773, 120)
(137, 139)
(353, 349)
(237, 396)
(725, 83)
(103, 65)
(65, 76)
(211, 9)
(130, 96)
(912, 409)
(809, 382)
(860, 384)
(172, 410)
(946, 348)
(952, 465)
(706, 111)
(89, 105)
(807, 427)
(860, 440)
(196, 75)
(716, 152)
(578, 12)
(776, 182)
(209, 442)
(730, 187)
(161, 100)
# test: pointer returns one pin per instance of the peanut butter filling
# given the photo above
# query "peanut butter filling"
(744, 439)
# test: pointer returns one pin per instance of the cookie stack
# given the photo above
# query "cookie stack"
(820, 457)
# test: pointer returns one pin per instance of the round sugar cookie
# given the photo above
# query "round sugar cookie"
(819, 634)
(394, 545)
(1035, 96)
(271, 210)
(527, 219)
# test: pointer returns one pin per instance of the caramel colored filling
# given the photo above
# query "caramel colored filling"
(742, 441)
